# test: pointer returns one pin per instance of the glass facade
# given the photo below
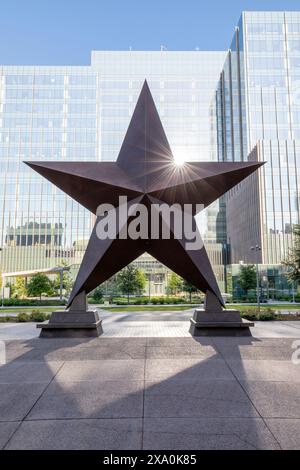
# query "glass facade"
(258, 95)
(182, 85)
(46, 113)
(258, 117)
(82, 113)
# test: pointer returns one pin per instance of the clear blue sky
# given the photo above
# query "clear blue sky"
(58, 32)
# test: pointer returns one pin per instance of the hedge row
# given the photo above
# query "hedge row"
(264, 315)
(32, 302)
(34, 316)
(154, 301)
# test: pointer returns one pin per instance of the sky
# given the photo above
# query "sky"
(63, 32)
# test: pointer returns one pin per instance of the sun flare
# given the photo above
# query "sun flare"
(179, 157)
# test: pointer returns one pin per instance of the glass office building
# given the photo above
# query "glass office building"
(258, 117)
(82, 113)
(228, 106)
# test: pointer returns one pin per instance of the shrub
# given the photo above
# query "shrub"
(92, 301)
(23, 317)
(254, 315)
(267, 316)
(98, 294)
(38, 316)
(140, 301)
(283, 297)
(172, 300)
(6, 319)
(32, 302)
(251, 316)
(196, 300)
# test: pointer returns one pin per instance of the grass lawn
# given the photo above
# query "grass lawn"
(152, 308)
(8, 311)
(149, 308)
(265, 306)
(178, 308)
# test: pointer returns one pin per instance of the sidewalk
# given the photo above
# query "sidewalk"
(152, 324)
(148, 384)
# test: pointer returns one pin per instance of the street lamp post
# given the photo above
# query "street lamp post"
(2, 288)
(265, 279)
(257, 249)
(149, 287)
(2, 295)
(61, 278)
(293, 291)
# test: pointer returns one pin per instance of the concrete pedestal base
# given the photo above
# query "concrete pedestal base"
(72, 324)
(219, 323)
(78, 322)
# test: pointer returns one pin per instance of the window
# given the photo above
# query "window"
(265, 45)
(19, 79)
(262, 28)
(294, 45)
(49, 79)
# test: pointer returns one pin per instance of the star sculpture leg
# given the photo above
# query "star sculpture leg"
(145, 171)
(104, 258)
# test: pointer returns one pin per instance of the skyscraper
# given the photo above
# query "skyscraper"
(82, 113)
(258, 117)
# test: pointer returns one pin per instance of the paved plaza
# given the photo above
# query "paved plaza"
(147, 384)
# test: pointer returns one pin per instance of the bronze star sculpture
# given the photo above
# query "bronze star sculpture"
(145, 172)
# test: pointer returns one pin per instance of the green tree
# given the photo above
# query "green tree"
(292, 261)
(19, 289)
(189, 288)
(39, 284)
(141, 281)
(111, 287)
(174, 284)
(247, 277)
(131, 280)
(97, 294)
